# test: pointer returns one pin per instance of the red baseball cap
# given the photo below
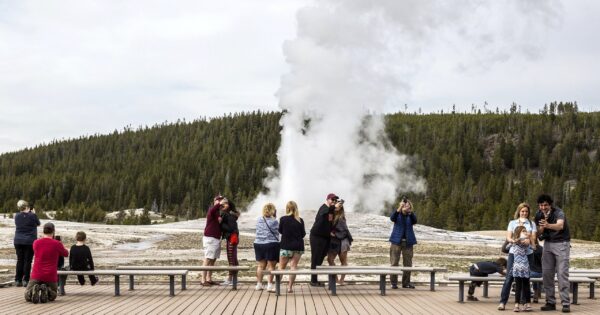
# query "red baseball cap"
(331, 196)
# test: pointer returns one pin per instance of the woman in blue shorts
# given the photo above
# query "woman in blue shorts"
(266, 245)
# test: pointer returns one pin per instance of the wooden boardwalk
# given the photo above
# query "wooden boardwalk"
(352, 299)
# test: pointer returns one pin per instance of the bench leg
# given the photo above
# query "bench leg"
(131, 282)
(486, 286)
(234, 281)
(117, 285)
(461, 291)
(278, 285)
(332, 287)
(432, 281)
(382, 284)
(575, 287)
(172, 285)
(183, 282)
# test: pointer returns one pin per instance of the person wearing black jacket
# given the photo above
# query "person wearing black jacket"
(535, 269)
(320, 236)
(229, 227)
(80, 259)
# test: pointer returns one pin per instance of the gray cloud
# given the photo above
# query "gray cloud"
(70, 68)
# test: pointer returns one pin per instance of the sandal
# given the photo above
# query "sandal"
(516, 309)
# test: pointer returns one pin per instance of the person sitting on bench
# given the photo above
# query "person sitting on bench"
(483, 269)
(81, 258)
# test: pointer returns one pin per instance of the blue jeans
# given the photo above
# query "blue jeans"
(535, 285)
(505, 294)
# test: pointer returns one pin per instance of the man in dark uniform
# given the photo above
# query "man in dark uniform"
(320, 236)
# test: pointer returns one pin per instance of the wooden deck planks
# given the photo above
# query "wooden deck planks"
(351, 299)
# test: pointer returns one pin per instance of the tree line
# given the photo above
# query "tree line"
(478, 166)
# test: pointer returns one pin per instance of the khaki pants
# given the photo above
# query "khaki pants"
(52, 290)
(555, 260)
(407, 254)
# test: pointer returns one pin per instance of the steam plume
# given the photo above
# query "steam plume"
(351, 61)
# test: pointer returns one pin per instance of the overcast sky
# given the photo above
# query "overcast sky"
(73, 68)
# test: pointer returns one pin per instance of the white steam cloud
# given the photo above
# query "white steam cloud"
(352, 60)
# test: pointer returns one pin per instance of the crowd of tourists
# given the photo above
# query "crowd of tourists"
(279, 243)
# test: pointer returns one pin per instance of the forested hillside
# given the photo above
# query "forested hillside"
(175, 168)
(478, 166)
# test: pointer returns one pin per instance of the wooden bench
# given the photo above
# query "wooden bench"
(462, 279)
(332, 273)
(594, 276)
(586, 271)
(431, 270)
(193, 268)
(574, 281)
(131, 274)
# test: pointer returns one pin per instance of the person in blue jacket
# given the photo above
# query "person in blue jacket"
(403, 239)
(26, 223)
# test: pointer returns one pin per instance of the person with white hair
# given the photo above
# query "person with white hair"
(26, 223)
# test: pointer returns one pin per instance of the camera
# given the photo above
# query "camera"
(57, 237)
(404, 199)
(340, 201)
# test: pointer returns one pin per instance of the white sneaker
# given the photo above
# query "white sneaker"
(226, 282)
(271, 287)
(259, 287)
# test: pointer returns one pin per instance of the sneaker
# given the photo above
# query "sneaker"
(61, 291)
(259, 287)
(18, 283)
(549, 307)
(271, 287)
(226, 282)
(394, 286)
(25, 283)
(472, 298)
(501, 307)
(94, 280)
(317, 284)
(566, 309)
(408, 286)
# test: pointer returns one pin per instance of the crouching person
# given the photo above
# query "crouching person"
(483, 269)
(43, 286)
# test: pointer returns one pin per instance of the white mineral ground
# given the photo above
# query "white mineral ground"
(181, 243)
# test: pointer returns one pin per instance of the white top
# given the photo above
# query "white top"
(529, 227)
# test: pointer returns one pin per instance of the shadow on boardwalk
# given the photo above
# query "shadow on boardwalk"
(351, 299)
